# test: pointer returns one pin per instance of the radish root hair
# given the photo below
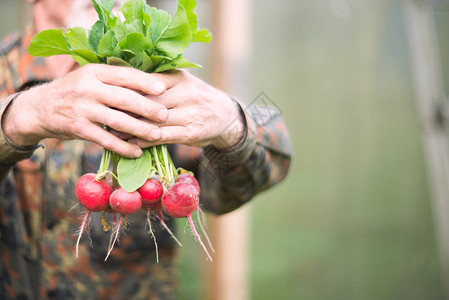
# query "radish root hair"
(82, 227)
(203, 217)
(192, 226)
(164, 225)
(200, 221)
(114, 224)
(116, 233)
(73, 207)
(150, 230)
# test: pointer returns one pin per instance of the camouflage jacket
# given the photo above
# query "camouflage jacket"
(39, 219)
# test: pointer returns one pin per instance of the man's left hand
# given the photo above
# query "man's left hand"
(198, 114)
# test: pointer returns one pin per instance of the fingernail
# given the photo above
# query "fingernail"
(155, 134)
(137, 153)
(162, 114)
(158, 87)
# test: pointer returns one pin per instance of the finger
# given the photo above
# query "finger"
(179, 117)
(143, 143)
(128, 100)
(149, 84)
(177, 135)
(170, 79)
(129, 78)
(121, 135)
(123, 122)
(173, 135)
(169, 135)
(173, 98)
(98, 135)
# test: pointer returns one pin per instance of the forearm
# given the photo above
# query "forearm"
(232, 177)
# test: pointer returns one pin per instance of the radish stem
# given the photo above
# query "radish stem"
(105, 160)
(158, 163)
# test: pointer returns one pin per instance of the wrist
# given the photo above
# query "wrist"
(17, 124)
(234, 131)
(223, 160)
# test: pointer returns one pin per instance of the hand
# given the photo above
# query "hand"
(198, 114)
(78, 104)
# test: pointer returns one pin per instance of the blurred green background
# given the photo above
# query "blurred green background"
(353, 218)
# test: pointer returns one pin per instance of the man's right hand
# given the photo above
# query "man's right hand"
(77, 105)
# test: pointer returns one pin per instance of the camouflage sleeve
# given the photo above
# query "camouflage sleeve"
(261, 159)
(10, 153)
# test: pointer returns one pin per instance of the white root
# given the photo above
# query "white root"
(114, 224)
(82, 227)
(152, 234)
(192, 226)
(117, 231)
(161, 219)
(200, 221)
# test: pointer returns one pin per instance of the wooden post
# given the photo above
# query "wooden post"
(226, 278)
(429, 87)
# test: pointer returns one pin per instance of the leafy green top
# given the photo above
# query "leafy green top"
(147, 39)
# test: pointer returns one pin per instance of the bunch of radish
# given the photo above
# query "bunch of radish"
(150, 40)
(161, 191)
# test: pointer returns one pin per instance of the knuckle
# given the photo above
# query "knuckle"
(143, 144)
(80, 129)
(114, 123)
(151, 110)
(78, 87)
(123, 74)
(141, 81)
(108, 143)
(119, 98)
(80, 108)
(76, 128)
(191, 135)
(88, 68)
(144, 130)
(82, 86)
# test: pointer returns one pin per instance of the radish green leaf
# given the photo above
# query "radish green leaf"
(133, 172)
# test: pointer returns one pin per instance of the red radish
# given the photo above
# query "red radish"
(124, 203)
(189, 178)
(181, 200)
(151, 191)
(93, 195)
